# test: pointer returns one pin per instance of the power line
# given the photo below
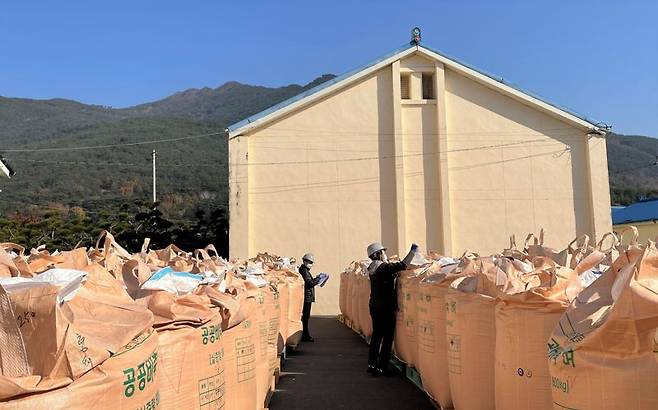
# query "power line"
(122, 164)
(127, 144)
(296, 147)
(375, 138)
(36, 161)
(264, 190)
(379, 157)
(238, 179)
(333, 132)
(347, 132)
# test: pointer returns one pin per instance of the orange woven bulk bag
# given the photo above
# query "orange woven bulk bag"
(274, 316)
(61, 324)
(354, 296)
(432, 350)
(600, 354)
(295, 307)
(471, 336)
(356, 303)
(129, 379)
(189, 329)
(406, 327)
(342, 298)
(284, 304)
(363, 298)
(524, 321)
(349, 302)
(61, 328)
(191, 366)
(240, 353)
(262, 322)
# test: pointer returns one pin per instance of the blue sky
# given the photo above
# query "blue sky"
(599, 58)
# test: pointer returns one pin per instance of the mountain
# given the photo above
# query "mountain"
(191, 173)
(26, 120)
(224, 105)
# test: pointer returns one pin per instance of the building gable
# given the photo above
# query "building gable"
(413, 58)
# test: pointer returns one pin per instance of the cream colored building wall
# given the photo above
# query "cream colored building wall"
(421, 174)
(331, 177)
(514, 170)
(315, 183)
(238, 185)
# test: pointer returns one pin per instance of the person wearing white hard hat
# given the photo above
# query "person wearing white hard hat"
(383, 304)
(309, 293)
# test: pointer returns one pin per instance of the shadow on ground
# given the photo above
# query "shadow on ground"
(331, 374)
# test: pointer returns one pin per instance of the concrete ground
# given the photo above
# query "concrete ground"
(331, 374)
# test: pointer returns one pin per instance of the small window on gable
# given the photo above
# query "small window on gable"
(428, 86)
(404, 86)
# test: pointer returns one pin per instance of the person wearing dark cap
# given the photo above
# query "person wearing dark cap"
(383, 304)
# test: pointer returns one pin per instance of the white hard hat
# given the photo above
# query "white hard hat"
(308, 257)
(375, 247)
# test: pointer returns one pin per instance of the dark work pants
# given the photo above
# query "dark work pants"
(306, 313)
(383, 331)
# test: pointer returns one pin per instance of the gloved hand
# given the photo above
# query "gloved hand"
(410, 256)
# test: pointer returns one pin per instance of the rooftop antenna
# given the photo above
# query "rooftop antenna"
(415, 36)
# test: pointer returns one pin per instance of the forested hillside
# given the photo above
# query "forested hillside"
(632, 168)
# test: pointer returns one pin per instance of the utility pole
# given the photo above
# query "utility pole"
(154, 191)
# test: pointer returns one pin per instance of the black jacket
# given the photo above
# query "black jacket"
(382, 284)
(309, 284)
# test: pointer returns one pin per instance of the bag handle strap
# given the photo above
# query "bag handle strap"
(631, 228)
(615, 242)
(469, 254)
(6, 259)
(145, 245)
(530, 236)
(102, 235)
(583, 247)
(111, 243)
(178, 251)
(13, 355)
(212, 248)
(10, 246)
(201, 255)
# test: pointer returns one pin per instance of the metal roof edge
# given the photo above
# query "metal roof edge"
(595, 124)
(242, 125)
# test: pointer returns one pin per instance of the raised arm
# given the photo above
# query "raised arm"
(410, 256)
